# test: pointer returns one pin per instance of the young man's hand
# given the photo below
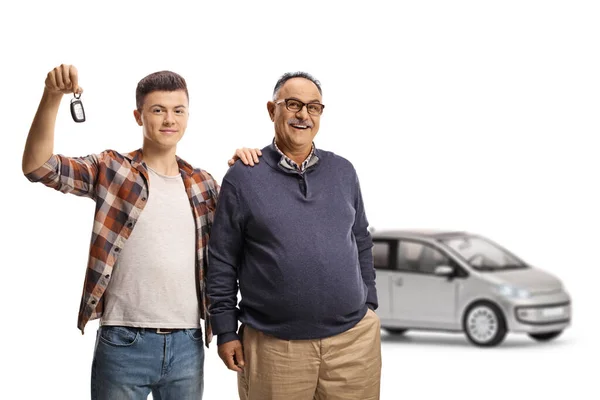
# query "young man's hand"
(63, 79)
(232, 355)
(39, 146)
(248, 156)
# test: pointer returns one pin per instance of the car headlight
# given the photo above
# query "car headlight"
(511, 291)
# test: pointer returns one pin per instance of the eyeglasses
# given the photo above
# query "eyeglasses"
(294, 105)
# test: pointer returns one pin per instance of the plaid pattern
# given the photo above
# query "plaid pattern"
(118, 185)
(292, 163)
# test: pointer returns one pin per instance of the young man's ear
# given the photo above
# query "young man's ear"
(138, 117)
(271, 108)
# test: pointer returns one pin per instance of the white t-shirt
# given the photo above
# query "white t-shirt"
(153, 284)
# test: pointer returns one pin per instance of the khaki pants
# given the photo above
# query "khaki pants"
(342, 367)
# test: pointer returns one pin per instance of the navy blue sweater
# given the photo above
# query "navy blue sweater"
(298, 245)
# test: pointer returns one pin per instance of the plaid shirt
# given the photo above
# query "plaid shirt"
(118, 185)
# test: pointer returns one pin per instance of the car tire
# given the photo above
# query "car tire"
(396, 331)
(546, 336)
(484, 324)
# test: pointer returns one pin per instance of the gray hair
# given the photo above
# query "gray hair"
(289, 75)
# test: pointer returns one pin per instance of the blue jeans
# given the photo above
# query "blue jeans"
(130, 363)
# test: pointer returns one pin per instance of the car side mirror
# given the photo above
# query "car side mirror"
(443, 270)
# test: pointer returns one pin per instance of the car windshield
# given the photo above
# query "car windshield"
(482, 254)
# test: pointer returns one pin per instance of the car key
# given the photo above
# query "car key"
(77, 109)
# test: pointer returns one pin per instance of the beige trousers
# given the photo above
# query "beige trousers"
(342, 367)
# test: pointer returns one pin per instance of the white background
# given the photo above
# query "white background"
(475, 115)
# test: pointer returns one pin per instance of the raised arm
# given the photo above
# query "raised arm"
(40, 141)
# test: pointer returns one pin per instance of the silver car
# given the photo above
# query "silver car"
(457, 281)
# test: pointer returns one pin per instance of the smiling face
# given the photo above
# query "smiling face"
(164, 116)
(295, 131)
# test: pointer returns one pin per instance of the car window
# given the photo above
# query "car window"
(432, 258)
(409, 254)
(483, 254)
(381, 255)
(419, 257)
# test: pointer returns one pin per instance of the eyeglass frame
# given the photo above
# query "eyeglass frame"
(303, 105)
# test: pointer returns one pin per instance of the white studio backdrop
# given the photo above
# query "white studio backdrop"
(468, 115)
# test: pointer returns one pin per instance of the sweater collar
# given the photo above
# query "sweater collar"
(276, 160)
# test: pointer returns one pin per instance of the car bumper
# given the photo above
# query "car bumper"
(538, 314)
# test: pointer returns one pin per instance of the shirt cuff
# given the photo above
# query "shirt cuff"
(49, 166)
(227, 337)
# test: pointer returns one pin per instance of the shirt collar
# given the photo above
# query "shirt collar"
(288, 163)
(136, 157)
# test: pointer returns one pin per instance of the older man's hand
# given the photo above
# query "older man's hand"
(247, 155)
(232, 355)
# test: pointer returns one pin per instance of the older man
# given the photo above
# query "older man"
(293, 232)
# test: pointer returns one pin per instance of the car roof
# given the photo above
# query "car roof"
(434, 234)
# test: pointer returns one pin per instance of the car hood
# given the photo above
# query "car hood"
(533, 280)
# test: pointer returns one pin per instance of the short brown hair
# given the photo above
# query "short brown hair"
(167, 81)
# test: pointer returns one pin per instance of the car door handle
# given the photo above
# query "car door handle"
(398, 281)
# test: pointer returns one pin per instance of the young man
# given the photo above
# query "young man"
(293, 232)
(147, 263)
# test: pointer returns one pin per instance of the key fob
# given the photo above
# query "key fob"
(77, 109)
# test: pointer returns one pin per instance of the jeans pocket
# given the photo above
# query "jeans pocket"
(120, 336)
(195, 334)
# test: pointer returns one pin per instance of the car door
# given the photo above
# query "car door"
(384, 260)
(421, 298)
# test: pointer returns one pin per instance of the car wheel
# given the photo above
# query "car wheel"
(484, 324)
(544, 337)
(396, 331)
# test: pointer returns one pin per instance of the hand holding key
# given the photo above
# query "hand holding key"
(63, 79)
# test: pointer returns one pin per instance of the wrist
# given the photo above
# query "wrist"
(51, 95)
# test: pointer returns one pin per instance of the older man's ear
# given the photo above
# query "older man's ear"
(271, 109)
